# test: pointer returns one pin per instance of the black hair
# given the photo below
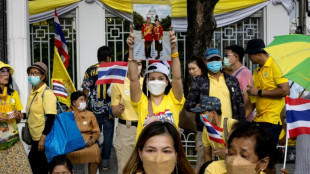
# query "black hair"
(147, 93)
(59, 161)
(219, 112)
(237, 49)
(75, 95)
(264, 147)
(135, 164)
(103, 53)
(200, 63)
(9, 86)
(156, 18)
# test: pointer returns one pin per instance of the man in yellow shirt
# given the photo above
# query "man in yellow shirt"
(125, 134)
(210, 108)
(269, 89)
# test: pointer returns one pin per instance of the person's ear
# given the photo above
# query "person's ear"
(140, 154)
(263, 164)
(42, 77)
(213, 114)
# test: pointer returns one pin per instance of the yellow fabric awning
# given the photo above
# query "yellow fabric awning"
(179, 7)
(40, 6)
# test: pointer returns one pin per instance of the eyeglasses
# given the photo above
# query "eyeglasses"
(5, 71)
(34, 73)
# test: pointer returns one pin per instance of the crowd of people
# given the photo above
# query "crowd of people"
(223, 95)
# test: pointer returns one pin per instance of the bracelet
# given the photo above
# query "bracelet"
(175, 55)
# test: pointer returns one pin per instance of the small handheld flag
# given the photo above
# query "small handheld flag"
(297, 116)
(112, 72)
(215, 133)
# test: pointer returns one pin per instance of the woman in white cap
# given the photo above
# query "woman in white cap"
(13, 158)
(159, 99)
(41, 112)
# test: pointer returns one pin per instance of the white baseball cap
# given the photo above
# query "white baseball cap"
(158, 67)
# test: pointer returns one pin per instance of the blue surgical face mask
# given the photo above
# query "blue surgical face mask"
(34, 80)
(205, 116)
(214, 66)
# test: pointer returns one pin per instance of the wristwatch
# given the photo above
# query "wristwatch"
(260, 92)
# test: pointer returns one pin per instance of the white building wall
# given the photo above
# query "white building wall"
(90, 36)
(18, 44)
(276, 22)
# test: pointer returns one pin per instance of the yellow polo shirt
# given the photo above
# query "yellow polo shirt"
(169, 105)
(117, 92)
(219, 167)
(268, 77)
(205, 137)
(35, 113)
(220, 90)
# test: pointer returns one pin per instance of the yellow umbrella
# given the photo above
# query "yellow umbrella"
(292, 54)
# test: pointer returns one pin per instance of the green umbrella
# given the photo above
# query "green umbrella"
(292, 54)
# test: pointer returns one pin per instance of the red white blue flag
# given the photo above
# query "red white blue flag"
(112, 72)
(215, 133)
(60, 42)
(297, 116)
(59, 89)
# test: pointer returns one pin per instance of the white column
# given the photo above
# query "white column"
(90, 27)
(276, 22)
(18, 44)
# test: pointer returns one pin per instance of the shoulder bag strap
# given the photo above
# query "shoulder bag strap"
(46, 88)
(225, 128)
(238, 72)
(31, 103)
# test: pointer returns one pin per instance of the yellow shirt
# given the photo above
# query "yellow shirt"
(35, 113)
(268, 77)
(216, 167)
(219, 167)
(169, 105)
(8, 129)
(219, 89)
(117, 92)
(205, 137)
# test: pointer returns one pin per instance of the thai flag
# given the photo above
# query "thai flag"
(112, 72)
(59, 89)
(215, 133)
(297, 116)
(60, 42)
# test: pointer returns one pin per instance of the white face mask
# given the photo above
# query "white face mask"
(156, 87)
(82, 106)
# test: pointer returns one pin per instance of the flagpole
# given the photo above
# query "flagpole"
(285, 152)
(214, 148)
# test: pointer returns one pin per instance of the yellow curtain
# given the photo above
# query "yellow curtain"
(40, 6)
(179, 7)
